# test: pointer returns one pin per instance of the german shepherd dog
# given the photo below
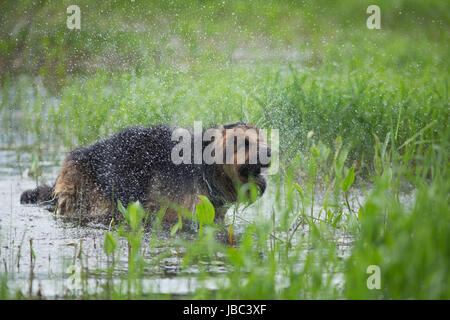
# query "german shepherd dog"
(136, 165)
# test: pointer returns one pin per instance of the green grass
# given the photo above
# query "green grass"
(344, 98)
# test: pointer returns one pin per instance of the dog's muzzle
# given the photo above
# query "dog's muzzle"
(254, 173)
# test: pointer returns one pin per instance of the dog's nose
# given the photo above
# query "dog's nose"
(269, 152)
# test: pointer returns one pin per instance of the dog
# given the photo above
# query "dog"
(137, 164)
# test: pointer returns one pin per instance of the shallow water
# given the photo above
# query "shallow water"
(58, 244)
(63, 248)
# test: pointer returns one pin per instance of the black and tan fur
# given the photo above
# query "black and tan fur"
(135, 165)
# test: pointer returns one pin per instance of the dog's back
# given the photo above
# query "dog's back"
(136, 165)
(123, 164)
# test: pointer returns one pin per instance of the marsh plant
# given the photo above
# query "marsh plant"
(362, 116)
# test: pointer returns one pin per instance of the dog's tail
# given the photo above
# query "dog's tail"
(42, 195)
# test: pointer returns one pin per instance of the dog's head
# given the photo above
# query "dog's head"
(245, 154)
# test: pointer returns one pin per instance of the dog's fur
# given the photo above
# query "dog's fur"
(135, 165)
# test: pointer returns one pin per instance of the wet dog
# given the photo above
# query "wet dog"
(137, 164)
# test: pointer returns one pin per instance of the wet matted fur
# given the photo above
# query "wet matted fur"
(135, 165)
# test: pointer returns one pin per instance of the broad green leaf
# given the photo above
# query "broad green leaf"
(109, 244)
(176, 227)
(135, 214)
(348, 180)
(299, 190)
(205, 211)
(122, 209)
(312, 167)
